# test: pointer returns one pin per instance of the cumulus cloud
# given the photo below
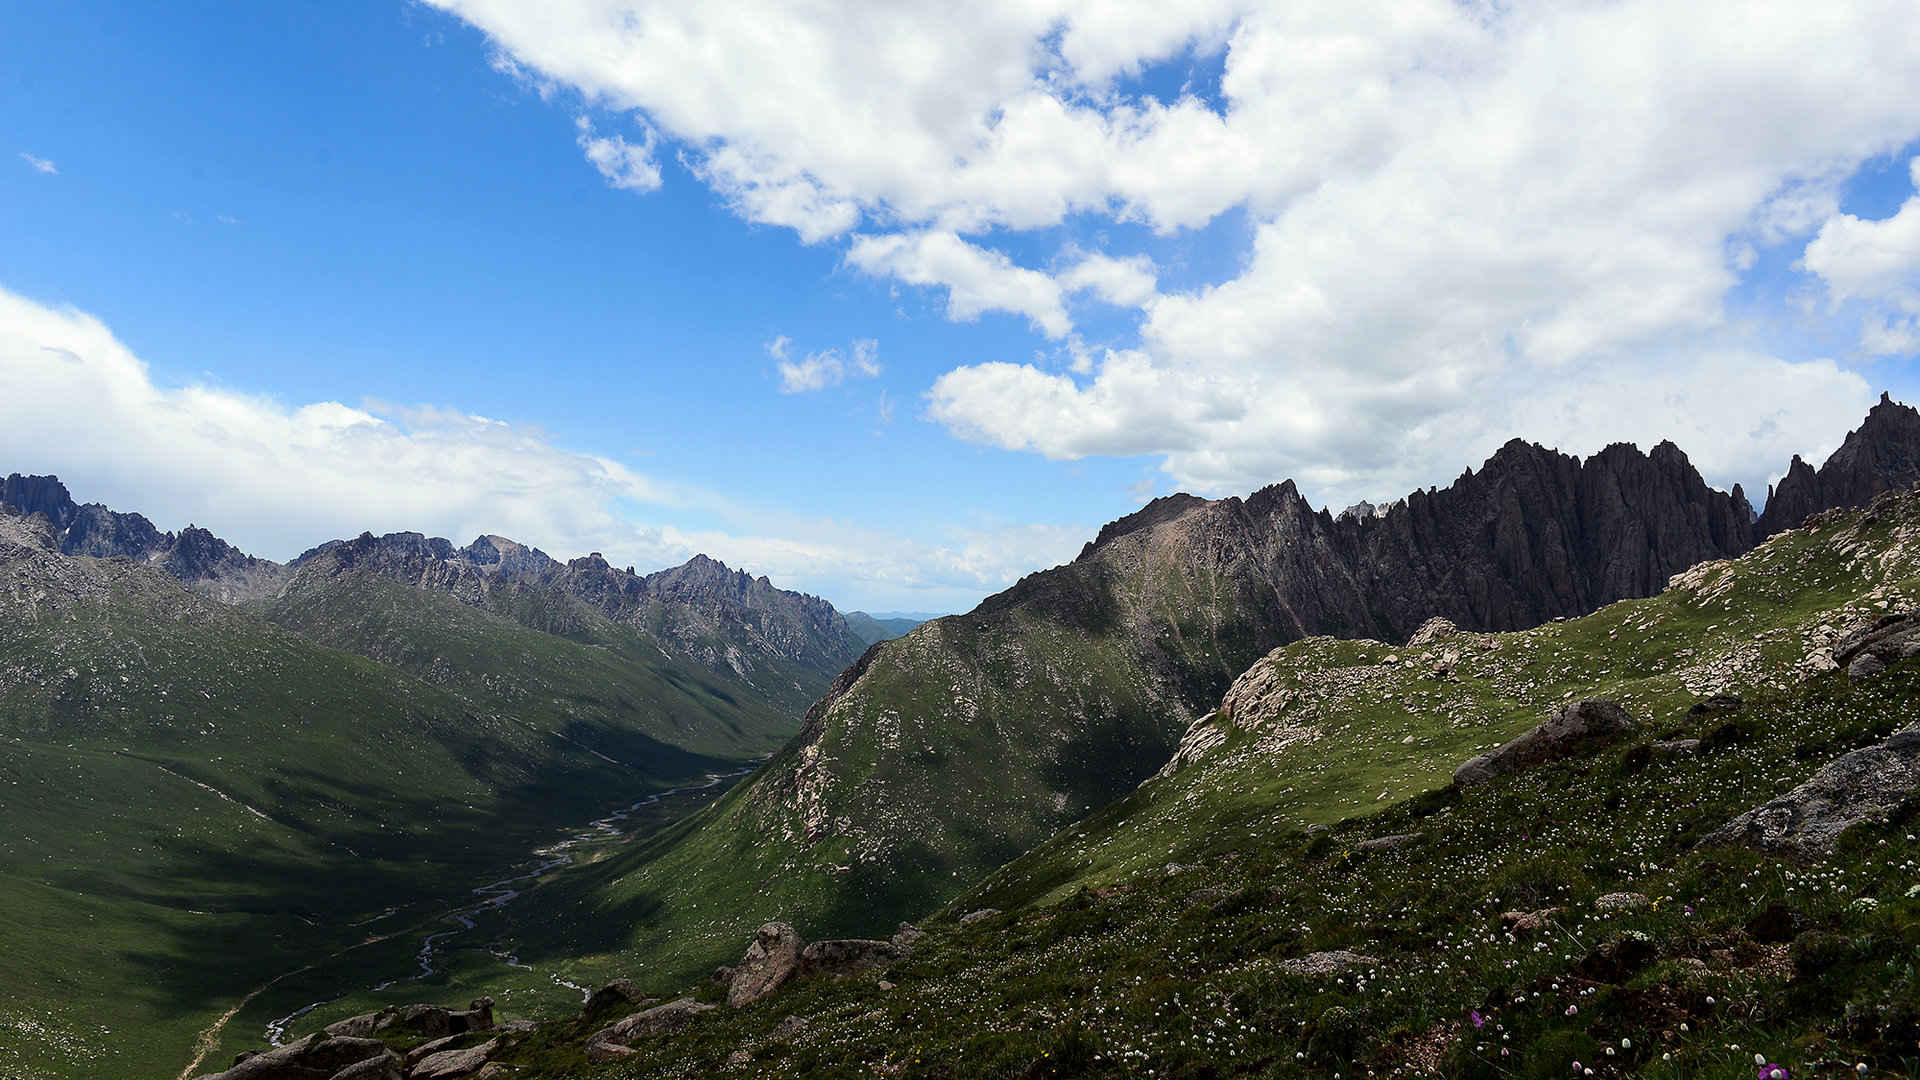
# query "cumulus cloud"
(1877, 262)
(824, 368)
(39, 164)
(624, 165)
(1449, 202)
(977, 280)
(276, 478)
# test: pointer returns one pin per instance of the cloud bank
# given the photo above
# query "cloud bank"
(1456, 206)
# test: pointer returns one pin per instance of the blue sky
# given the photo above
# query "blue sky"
(1100, 259)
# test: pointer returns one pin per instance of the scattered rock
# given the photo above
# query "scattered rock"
(1865, 785)
(907, 936)
(1572, 728)
(1322, 964)
(972, 917)
(772, 959)
(448, 1064)
(1676, 747)
(1622, 901)
(1522, 923)
(788, 1029)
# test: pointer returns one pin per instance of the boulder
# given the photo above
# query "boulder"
(616, 1039)
(847, 956)
(1331, 962)
(316, 1057)
(771, 961)
(1522, 923)
(972, 917)
(448, 1064)
(788, 1029)
(1573, 727)
(1864, 786)
(906, 936)
(1676, 747)
(1867, 651)
(1431, 631)
(619, 991)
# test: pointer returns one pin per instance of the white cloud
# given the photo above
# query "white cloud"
(39, 164)
(1449, 202)
(1877, 262)
(977, 280)
(825, 367)
(276, 478)
(1125, 282)
(624, 165)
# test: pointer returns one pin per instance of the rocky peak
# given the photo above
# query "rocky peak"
(1163, 509)
(1882, 454)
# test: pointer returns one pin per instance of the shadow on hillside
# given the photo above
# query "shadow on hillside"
(353, 848)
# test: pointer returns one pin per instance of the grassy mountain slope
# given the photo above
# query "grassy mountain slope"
(1152, 938)
(194, 801)
(600, 680)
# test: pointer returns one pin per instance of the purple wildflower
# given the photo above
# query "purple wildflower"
(1770, 1071)
(1478, 1020)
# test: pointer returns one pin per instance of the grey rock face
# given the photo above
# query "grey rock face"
(1573, 727)
(772, 960)
(1865, 785)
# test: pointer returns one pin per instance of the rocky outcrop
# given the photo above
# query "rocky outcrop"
(1869, 650)
(777, 955)
(316, 1057)
(1883, 454)
(771, 961)
(1866, 785)
(1573, 728)
(615, 1040)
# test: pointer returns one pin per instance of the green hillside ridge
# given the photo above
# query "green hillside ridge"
(1154, 939)
(194, 801)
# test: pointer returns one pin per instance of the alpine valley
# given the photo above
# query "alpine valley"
(1573, 760)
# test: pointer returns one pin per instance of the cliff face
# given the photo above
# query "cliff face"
(978, 735)
(1882, 454)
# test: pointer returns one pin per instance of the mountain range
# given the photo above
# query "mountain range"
(309, 758)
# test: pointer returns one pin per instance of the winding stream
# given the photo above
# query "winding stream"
(498, 894)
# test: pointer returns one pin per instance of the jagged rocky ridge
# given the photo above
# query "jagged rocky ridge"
(948, 751)
(199, 559)
(727, 620)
